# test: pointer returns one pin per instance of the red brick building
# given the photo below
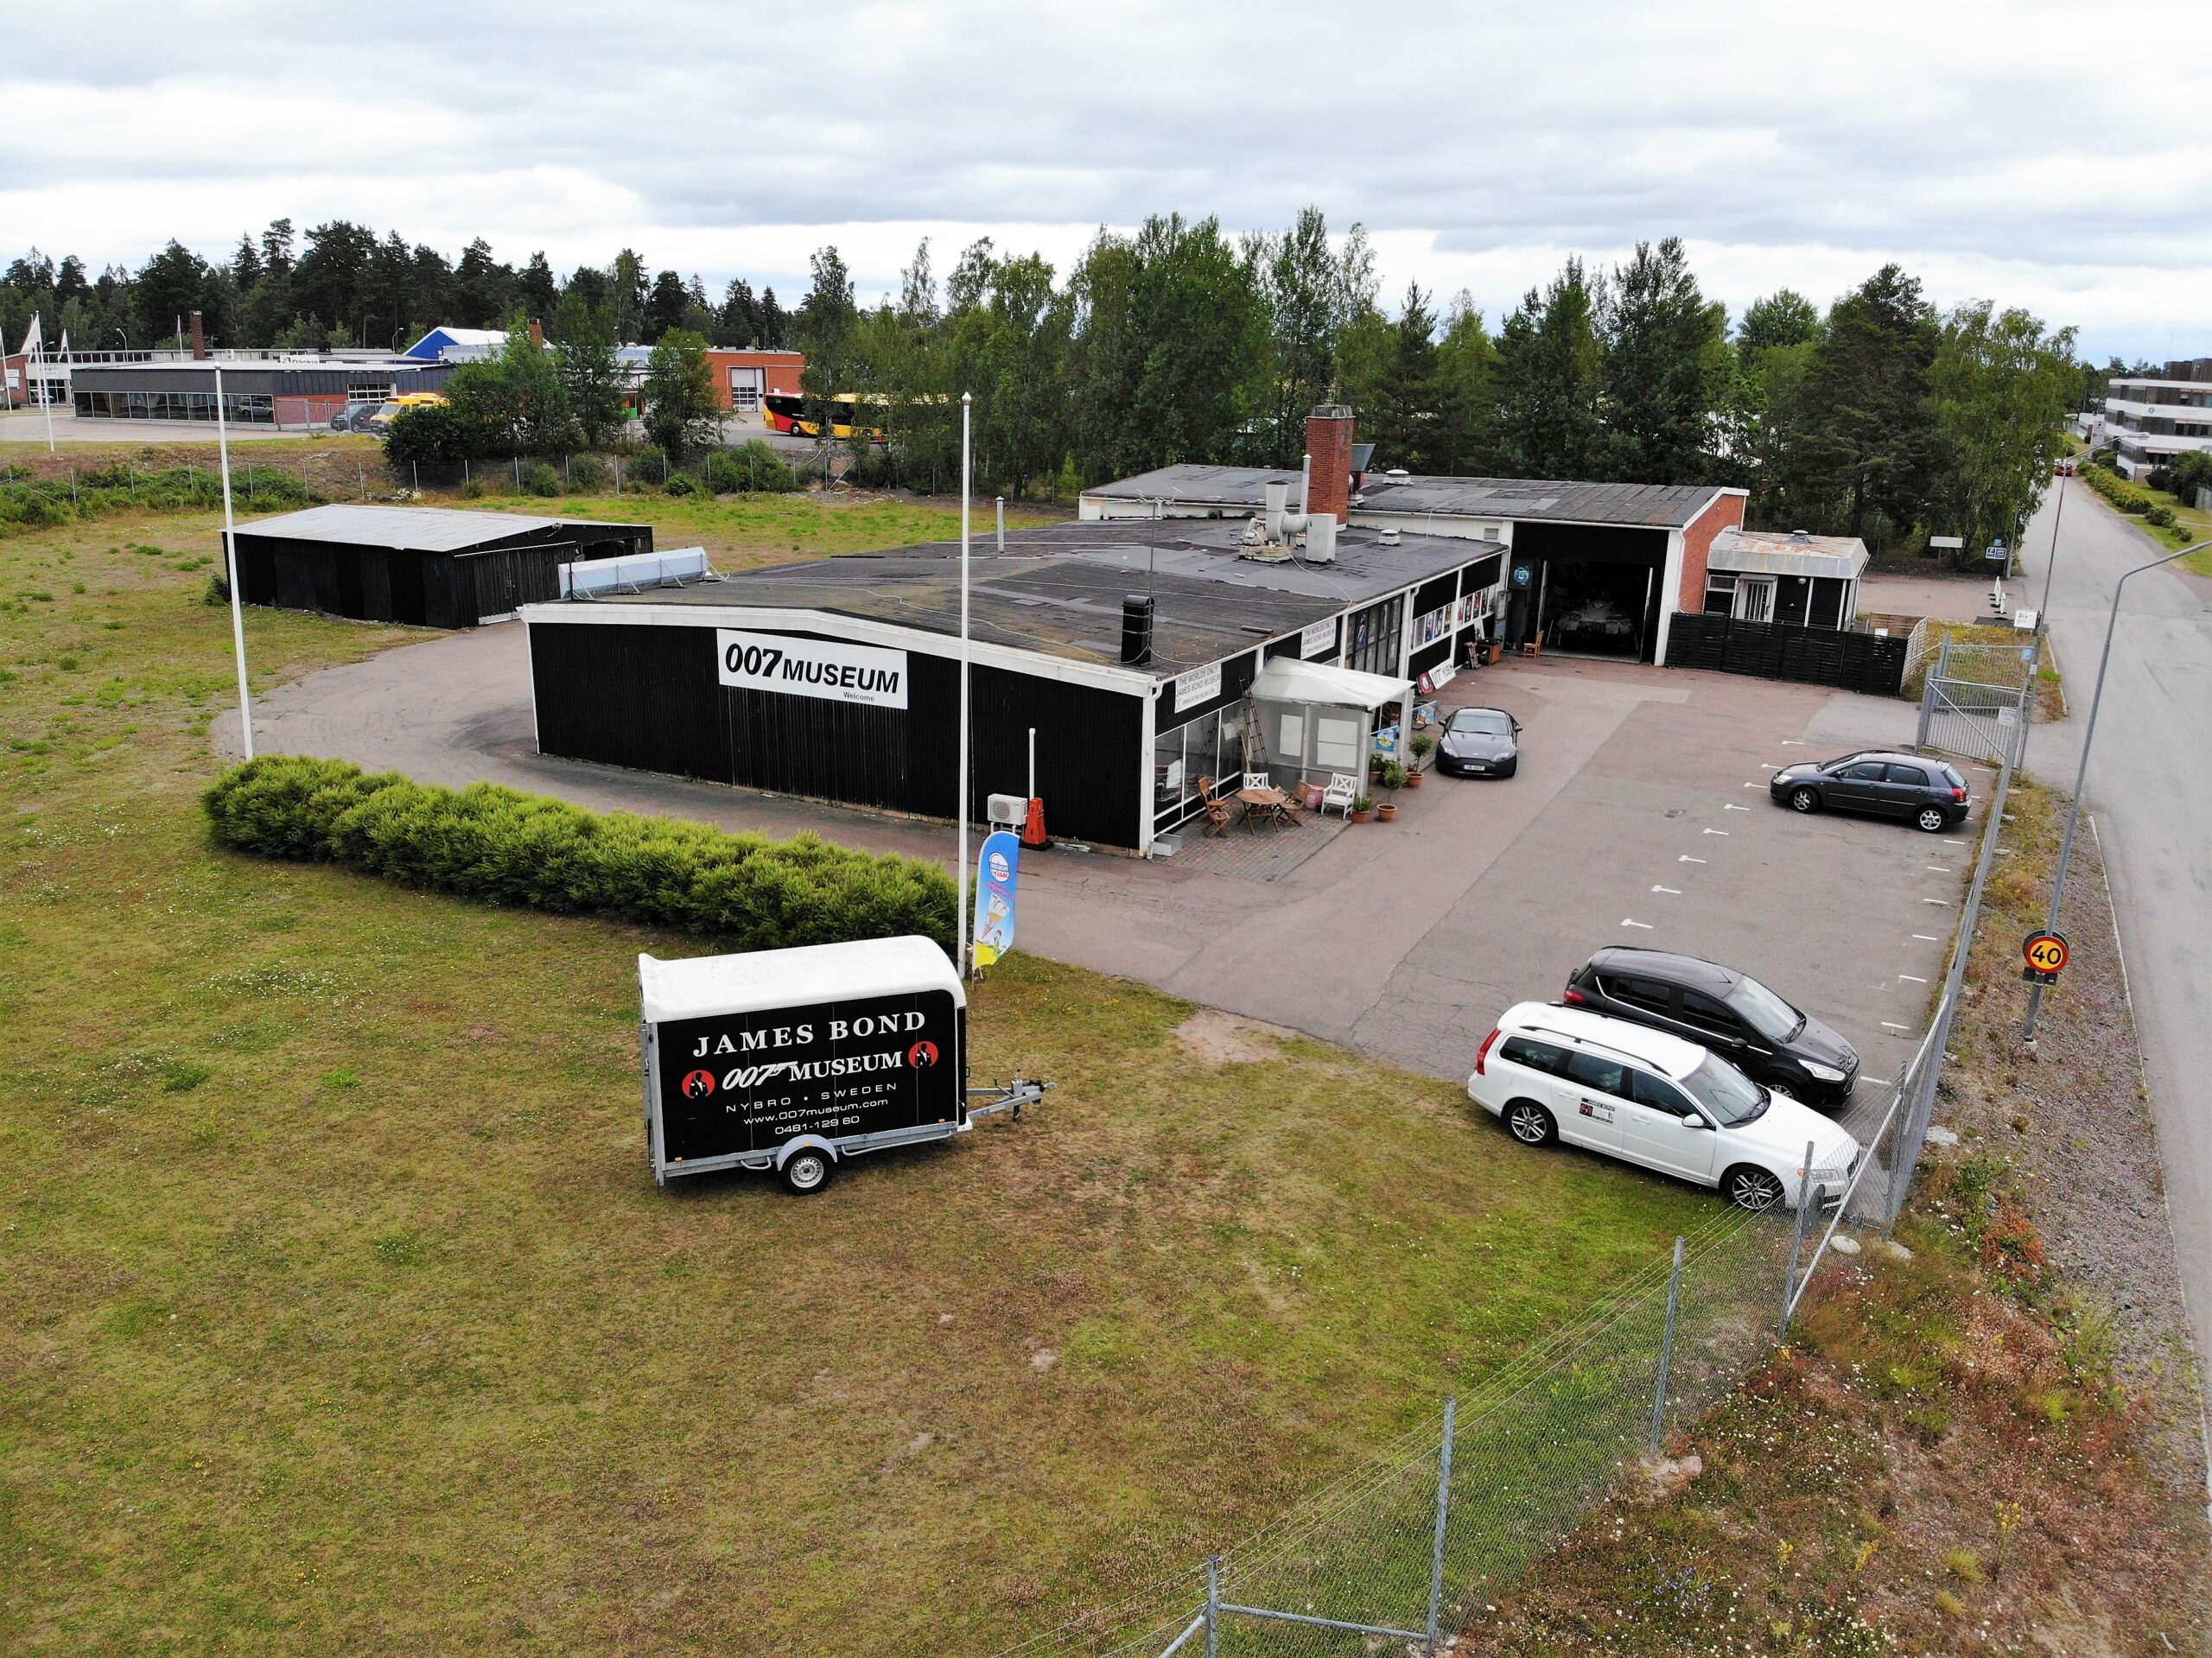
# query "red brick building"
(743, 378)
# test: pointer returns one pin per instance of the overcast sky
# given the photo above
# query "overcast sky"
(2055, 156)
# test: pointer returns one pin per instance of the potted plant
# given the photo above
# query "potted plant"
(1362, 809)
(1393, 779)
(1421, 746)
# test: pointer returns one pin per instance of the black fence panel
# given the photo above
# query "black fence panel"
(1812, 656)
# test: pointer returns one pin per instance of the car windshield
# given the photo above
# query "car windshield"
(1729, 1095)
(1487, 722)
(1764, 1011)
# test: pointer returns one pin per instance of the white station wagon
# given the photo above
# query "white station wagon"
(1637, 1094)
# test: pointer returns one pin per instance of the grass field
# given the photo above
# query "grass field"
(339, 1311)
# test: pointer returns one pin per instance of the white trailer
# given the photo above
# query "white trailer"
(795, 1059)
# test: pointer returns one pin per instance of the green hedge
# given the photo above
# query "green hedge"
(2115, 489)
(741, 891)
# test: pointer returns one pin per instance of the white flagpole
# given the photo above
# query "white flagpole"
(967, 482)
(45, 396)
(230, 563)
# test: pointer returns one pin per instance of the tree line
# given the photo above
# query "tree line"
(340, 284)
(1879, 416)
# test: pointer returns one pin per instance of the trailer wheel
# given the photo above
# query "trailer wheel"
(807, 1171)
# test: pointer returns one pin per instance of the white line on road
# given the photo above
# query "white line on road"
(1738, 809)
(1755, 785)
(1948, 840)
(1928, 938)
(1793, 742)
(1887, 1025)
(1646, 925)
(1765, 766)
(1685, 857)
(1914, 977)
(1945, 902)
(1676, 891)
(1716, 831)
(1939, 870)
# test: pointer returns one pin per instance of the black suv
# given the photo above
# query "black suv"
(1930, 792)
(1724, 1012)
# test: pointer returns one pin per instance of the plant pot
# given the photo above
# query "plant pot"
(1387, 813)
(1413, 779)
(1359, 817)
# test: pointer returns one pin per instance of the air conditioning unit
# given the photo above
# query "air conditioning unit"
(1006, 811)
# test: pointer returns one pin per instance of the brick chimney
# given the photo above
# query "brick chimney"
(537, 333)
(199, 339)
(1328, 440)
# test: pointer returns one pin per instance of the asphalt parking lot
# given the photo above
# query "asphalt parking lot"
(1640, 815)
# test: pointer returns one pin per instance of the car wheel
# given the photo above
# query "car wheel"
(1752, 1189)
(1804, 800)
(1531, 1124)
(1933, 819)
(807, 1171)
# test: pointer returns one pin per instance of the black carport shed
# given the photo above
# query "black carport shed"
(432, 566)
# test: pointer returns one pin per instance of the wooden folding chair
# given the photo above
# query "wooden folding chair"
(1219, 816)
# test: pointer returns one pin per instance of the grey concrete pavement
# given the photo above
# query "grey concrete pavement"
(2150, 789)
(28, 426)
(1640, 815)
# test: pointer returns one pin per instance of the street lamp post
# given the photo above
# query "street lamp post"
(2080, 774)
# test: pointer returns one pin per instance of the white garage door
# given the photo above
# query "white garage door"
(745, 387)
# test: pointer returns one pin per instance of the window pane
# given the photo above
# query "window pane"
(1606, 1076)
(1911, 774)
(1537, 1056)
(1659, 1095)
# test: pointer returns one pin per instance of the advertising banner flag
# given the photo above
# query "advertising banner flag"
(997, 868)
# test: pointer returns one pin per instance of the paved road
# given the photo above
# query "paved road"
(2150, 789)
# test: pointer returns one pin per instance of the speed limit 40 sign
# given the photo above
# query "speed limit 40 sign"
(2046, 955)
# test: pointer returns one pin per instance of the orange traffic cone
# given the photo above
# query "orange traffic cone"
(1033, 833)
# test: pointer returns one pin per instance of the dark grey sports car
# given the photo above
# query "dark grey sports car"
(1479, 743)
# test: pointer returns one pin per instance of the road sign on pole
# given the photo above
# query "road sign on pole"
(2046, 955)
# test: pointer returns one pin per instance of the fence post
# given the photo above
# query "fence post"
(1667, 1350)
(72, 488)
(1797, 1243)
(1213, 1606)
(1443, 1510)
(1927, 694)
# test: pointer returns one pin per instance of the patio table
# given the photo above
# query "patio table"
(1265, 805)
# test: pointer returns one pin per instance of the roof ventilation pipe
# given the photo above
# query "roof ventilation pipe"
(1136, 628)
(1283, 524)
(1306, 483)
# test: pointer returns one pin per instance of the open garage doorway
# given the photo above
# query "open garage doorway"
(1598, 610)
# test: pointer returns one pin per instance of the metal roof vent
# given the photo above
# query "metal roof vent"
(1136, 629)
(1387, 538)
(1397, 474)
(1801, 535)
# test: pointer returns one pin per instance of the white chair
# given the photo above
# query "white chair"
(1258, 780)
(1343, 790)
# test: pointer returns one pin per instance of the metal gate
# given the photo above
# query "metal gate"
(1976, 700)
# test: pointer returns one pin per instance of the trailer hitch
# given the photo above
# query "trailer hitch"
(1006, 1096)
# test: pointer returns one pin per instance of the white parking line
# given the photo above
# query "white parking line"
(1676, 891)
(1685, 857)
(1888, 1025)
(1948, 840)
(1928, 938)
(1914, 977)
(1945, 902)
(1721, 832)
(1646, 925)
(1755, 785)
(1793, 742)
(1738, 809)
(1765, 766)
(1938, 869)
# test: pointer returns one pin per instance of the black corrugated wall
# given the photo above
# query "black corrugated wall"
(647, 696)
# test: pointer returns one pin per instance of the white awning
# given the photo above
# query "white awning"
(1286, 681)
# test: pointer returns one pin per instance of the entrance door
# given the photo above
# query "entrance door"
(1594, 608)
(1755, 599)
(746, 385)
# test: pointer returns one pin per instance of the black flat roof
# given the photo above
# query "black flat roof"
(1059, 590)
(1243, 489)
